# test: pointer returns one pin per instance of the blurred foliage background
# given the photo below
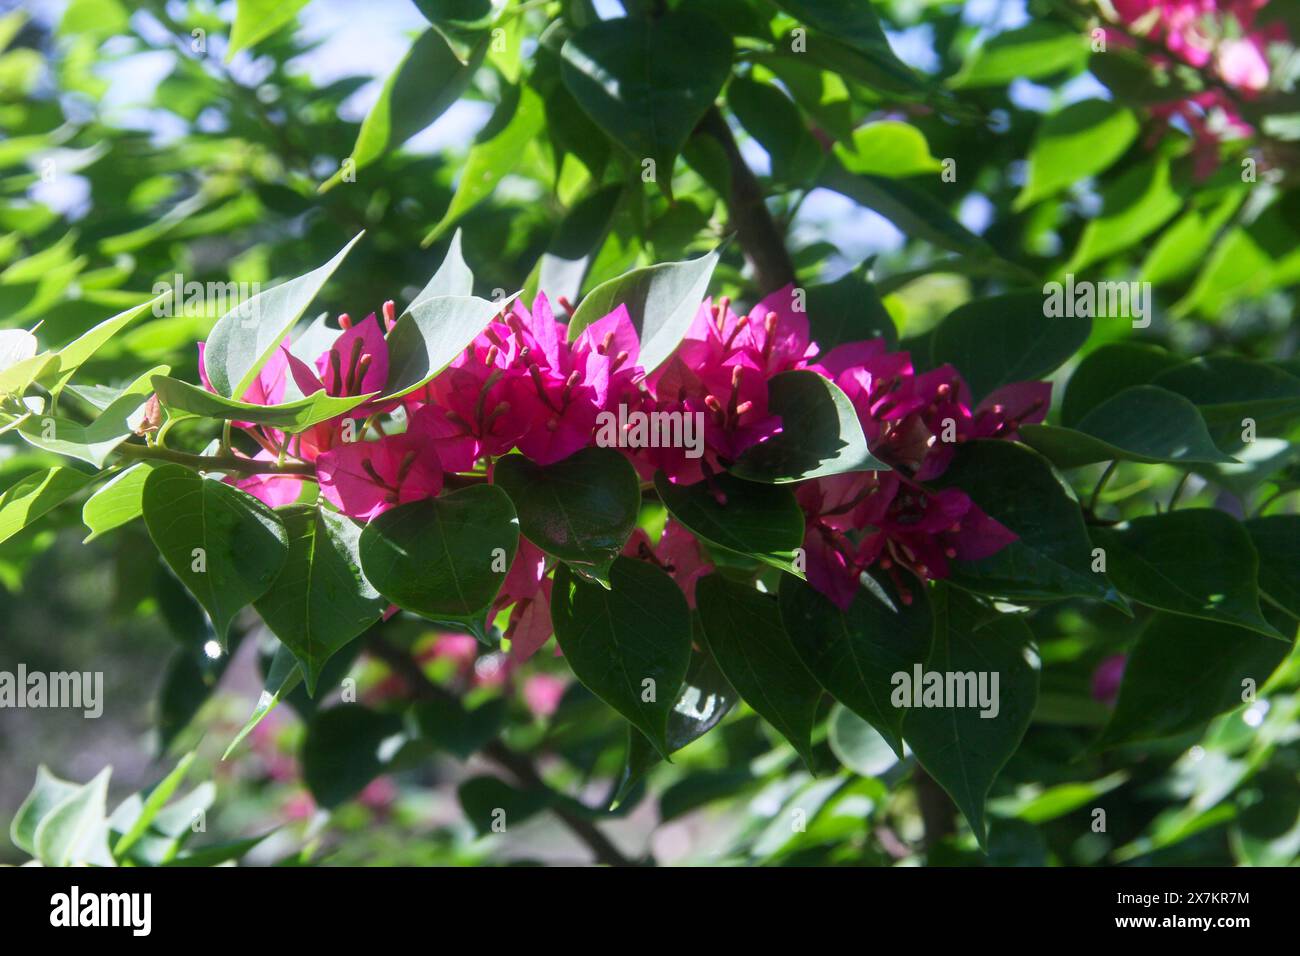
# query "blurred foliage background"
(132, 151)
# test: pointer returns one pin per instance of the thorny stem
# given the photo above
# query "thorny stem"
(517, 764)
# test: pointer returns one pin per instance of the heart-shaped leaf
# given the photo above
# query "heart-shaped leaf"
(444, 558)
(1199, 562)
(964, 743)
(855, 653)
(819, 436)
(744, 633)
(1143, 423)
(1018, 488)
(759, 520)
(345, 748)
(630, 645)
(647, 82)
(581, 510)
(432, 332)
(244, 338)
(320, 600)
(224, 545)
(662, 301)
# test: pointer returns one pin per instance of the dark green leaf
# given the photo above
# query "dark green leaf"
(224, 545)
(855, 653)
(345, 748)
(1018, 488)
(320, 600)
(647, 82)
(1198, 562)
(1109, 369)
(444, 558)
(963, 745)
(1142, 423)
(1277, 542)
(744, 633)
(1005, 339)
(186, 399)
(630, 645)
(581, 510)
(759, 520)
(1184, 671)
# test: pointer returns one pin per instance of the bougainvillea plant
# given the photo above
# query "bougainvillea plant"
(930, 546)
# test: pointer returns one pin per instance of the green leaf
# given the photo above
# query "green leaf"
(744, 633)
(820, 434)
(444, 558)
(91, 443)
(848, 310)
(563, 267)
(581, 510)
(244, 338)
(345, 748)
(255, 20)
(959, 747)
(1198, 562)
(1133, 206)
(1228, 388)
(629, 645)
(493, 806)
(118, 502)
(1277, 542)
(224, 545)
(156, 800)
(760, 520)
(662, 301)
(285, 674)
(857, 27)
(64, 834)
(888, 148)
(428, 80)
(76, 353)
(461, 22)
(432, 332)
(499, 148)
(46, 794)
(647, 82)
(453, 277)
(186, 400)
(1182, 672)
(1142, 423)
(915, 212)
(775, 122)
(1109, 369)
(320, 600)
(1019, 489)
(857, 744)
(1003, 339)
(1183, 247)
(32, 496)
(449, 725)
(706, 698)
(1082, 140)
(855, 653)
(1032, 51)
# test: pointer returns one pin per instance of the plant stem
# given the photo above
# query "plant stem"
(759, 237)
(244, 466)
(1178, 490)
(517, 764)
(1101, 483)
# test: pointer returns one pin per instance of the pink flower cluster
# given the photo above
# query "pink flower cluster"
(1224, 38)
(521, 386)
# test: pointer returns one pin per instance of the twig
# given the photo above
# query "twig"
(755, 228)
(226, 463)
(518, 765)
